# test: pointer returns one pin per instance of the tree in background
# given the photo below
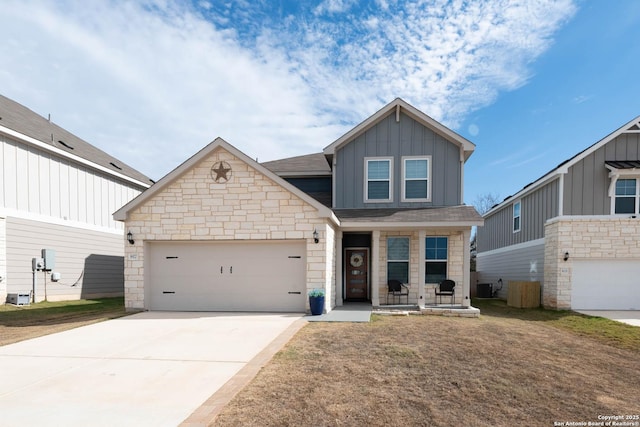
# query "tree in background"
(483, 203)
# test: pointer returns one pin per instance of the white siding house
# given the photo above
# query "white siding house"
(58, 192)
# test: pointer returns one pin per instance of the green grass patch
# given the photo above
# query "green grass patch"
(50, 311)
(608, 331)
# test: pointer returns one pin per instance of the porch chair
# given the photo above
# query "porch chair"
(446, 288)
(397, 289)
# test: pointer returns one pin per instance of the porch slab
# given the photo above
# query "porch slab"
(452, 311)
(350, 312)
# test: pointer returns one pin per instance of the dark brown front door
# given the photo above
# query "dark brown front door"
(357, 273)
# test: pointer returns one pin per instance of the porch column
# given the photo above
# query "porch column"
(422, 295)
(375, 268)
(338, 268)
(466, 267)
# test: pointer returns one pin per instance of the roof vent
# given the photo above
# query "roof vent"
(115, 166)
(65, 144)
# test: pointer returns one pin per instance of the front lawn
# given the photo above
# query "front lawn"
(509, 367)
(18, 323)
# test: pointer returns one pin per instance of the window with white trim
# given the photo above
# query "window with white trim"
(516, 217)
(398, 259)
(378, 173)
(626, 196)
(415, 179)
(436, 259)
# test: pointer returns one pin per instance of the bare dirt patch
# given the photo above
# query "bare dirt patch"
(437, 371)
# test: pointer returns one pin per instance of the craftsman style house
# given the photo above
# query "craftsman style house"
(575, 229)
(58, 193)
(383, 202)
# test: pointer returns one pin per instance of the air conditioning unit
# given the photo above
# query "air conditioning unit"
(19, 299)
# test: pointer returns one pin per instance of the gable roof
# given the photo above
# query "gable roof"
(19, 122)
(632, 126)
(315, 164)
(122, 213)
(398, 105)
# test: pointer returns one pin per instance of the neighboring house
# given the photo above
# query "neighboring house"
(575, 230)
(58, 192)
(385, 201)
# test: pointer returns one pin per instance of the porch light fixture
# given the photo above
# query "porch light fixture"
(315, 236)
(130, 238)
(566, 256)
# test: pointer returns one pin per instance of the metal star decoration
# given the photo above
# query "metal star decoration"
(221, 172)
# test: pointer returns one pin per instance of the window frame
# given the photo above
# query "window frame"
(436, 260)
(518, 217)
(636, 196)
(407, 261)
(405, 179)
(367, 180)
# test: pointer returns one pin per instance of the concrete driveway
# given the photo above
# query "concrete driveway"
(630, 317)
(148, 369)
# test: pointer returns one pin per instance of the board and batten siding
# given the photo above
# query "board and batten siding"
(518, 263)
(535, 209)
(91, 262)
(36, 183)
(389, 138)
(586, 184)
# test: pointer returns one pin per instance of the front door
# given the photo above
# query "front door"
(356, 274)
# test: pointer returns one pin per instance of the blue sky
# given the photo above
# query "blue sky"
(530, 82)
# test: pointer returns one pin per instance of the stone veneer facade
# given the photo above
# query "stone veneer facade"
(584, 238)
(250, 206)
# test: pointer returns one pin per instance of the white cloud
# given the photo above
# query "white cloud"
(151, 82)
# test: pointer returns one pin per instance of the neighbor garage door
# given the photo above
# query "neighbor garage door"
(605, 285)
(226, 276)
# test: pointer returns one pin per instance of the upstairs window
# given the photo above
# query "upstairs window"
(516, 217)
(378, 172)
(415, 183)
(436, 250)
(626, 196)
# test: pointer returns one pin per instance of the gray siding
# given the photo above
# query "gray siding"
(587, 182)
(389, 138)
(37, 182)
(535, 209)
(520, 264)
(91, 262)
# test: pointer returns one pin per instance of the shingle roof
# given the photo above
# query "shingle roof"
(446, 215)
(20, 119)
(310, 164)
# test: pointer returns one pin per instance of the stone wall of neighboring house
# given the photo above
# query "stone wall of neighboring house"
(250, 206)
(584, 238)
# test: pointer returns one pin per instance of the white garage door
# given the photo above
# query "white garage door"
(605, 285)
(226, 276)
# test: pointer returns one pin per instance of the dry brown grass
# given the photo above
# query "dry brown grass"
(44, 318)
(436, 371)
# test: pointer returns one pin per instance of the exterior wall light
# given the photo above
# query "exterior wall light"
(566, 256)
(315, 236)
(130, 238)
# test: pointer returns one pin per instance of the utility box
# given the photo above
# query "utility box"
(18, 299)
(49, 257)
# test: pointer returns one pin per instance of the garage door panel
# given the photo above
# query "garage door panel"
(228, 276)
(606, 285)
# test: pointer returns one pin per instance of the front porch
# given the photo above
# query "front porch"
(367, 260)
